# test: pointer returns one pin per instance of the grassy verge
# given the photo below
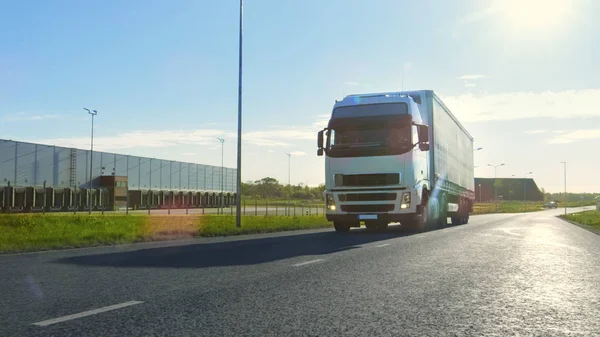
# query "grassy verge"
(31, 232)
(215, 225)
(281, 202)
(23, 232)
(506, 207)
(590, 219)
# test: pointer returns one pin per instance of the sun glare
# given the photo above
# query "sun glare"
(535, 16)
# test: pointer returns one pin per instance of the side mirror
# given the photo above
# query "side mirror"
(320, 152)
(320, 139)
(424, 147)
(423, 131)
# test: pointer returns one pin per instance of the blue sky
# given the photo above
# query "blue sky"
(521, 75)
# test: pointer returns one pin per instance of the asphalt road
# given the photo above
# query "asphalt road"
(529, 274)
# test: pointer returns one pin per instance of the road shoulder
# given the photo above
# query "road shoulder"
(586, 227)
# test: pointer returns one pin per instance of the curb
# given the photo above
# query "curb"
(586, 227)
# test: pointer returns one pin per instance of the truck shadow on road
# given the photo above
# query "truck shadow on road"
(239, 252)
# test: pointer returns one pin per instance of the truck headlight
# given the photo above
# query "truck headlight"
(329, 203)
(405, 200)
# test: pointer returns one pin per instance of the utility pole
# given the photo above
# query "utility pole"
(565, 172)
(509, 187)
(222, 140)
(525, 182)
(238, 197)
(496, 188)
(289, 181)
(92, 113)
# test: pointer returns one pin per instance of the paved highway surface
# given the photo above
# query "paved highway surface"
(530, 274)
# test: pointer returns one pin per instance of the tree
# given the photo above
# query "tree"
(268, 187)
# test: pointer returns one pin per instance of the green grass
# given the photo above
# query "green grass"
(32, 232)
(281, 202)
(588, 218)
(24, 232)
(218, 225)
(506, 207)
(520, 207)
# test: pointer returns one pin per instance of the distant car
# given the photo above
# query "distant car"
(550, 204)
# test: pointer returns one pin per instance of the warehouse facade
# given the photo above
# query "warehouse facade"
(507, 189)
(30, 165)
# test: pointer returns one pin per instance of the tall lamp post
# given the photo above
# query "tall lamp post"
(525, 183)
(238, 197)
(93, 113)
(509, 187)
(289, 181)
(565, 173)
(496, 188)
(480, 193)
(222, 144)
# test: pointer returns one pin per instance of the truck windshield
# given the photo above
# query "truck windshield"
(350, 142)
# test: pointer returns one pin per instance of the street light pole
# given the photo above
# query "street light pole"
(525, 183)
(222, 144)
(565, 172)
(496, 188)
(479, 193)
(93, 113)
(289, 180)
(238, 197)
(509, 189)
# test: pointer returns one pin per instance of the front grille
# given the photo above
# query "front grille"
(367, 197)
(378, 179)
(367, 208)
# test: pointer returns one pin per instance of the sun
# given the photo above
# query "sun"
(535, 16)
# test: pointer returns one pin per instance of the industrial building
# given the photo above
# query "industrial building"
(30, 172)
(507, 189)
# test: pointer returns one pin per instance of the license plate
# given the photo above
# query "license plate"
(367, 217)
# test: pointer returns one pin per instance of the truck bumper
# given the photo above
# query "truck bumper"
(380, 217)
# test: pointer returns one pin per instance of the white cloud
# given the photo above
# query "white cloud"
(22, 116)
(470, 85)
(574, 136)
(298, 153)
(271, 151)
(206, 137)
(523, 105)
(535, 132)
(351, 83)
(559, 131)
(188, 154)
(406, 66)
(321, 122)
(472, 77)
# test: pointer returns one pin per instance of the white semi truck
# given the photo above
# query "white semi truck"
(396, 157)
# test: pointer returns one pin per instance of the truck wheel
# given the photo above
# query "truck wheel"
(466, 219)
(443, 213)
(341, 227)
(457, 220)
(424, 223)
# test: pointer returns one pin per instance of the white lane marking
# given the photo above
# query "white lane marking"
(87, 313)
(383, 245)
(307, 262)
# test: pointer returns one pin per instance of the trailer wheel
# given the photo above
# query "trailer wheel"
(341, 227)
(443, 212)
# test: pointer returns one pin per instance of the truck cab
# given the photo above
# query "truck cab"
(378, 164)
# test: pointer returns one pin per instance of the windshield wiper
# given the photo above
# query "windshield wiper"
(371, 144)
